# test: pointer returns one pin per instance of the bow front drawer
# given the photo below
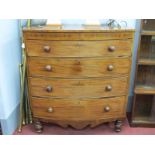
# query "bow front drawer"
(87, 109)
(78, 88)
(80, 67)
(79, 48)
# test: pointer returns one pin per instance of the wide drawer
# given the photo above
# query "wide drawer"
(78, 88)
(63, 109)
(78, 67)
(78, 48)
(77, 35)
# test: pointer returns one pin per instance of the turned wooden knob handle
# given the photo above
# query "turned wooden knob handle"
(50, 109)
(49, 89)
(107, 109)
(111, 48)
(47, 48)
(110, 67)
(48, 67)
(108, 88)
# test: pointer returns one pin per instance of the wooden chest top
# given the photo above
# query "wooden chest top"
(69, 33)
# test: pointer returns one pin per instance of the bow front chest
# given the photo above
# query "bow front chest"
(78, 77)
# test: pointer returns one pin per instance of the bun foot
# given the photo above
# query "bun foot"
(118, 125)
(38, 126)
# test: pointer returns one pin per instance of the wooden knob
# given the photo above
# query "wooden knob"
(107, 109)
(111, 48)
(48, 67)
(49, 89)
(110, 67)
(108, 88)
(50, 109)
(47, 48)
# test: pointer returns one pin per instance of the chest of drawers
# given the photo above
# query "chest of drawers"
(77, 77)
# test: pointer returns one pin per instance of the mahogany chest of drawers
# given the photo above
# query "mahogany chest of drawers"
(78, 77)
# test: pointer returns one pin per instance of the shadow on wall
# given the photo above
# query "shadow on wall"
(133, 69)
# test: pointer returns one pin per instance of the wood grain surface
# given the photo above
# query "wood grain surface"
(78, 77)
(78, 109)
(79, 48)
(78, 67)
(78, 88)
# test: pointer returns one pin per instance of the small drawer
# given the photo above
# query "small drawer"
(79, 48)
(78, 88)
(78, 67)
(86, 109)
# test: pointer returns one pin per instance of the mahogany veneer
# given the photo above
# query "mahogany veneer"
(78, 77)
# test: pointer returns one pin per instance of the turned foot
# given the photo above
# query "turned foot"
(118, 125)
(38, 126)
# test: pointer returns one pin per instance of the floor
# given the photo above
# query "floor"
(105, 129)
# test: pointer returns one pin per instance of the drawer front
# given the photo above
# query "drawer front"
(80, 67)
(78, 88)
(78, 48)
(78, 35)
(63, 109)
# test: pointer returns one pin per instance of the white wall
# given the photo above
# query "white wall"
(10, 57)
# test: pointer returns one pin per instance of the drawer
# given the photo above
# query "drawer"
(78, 88)
(62, 109)
(78, 35)
(78, 67)
(78, 48)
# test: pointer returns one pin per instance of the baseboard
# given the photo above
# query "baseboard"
(10, 124)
